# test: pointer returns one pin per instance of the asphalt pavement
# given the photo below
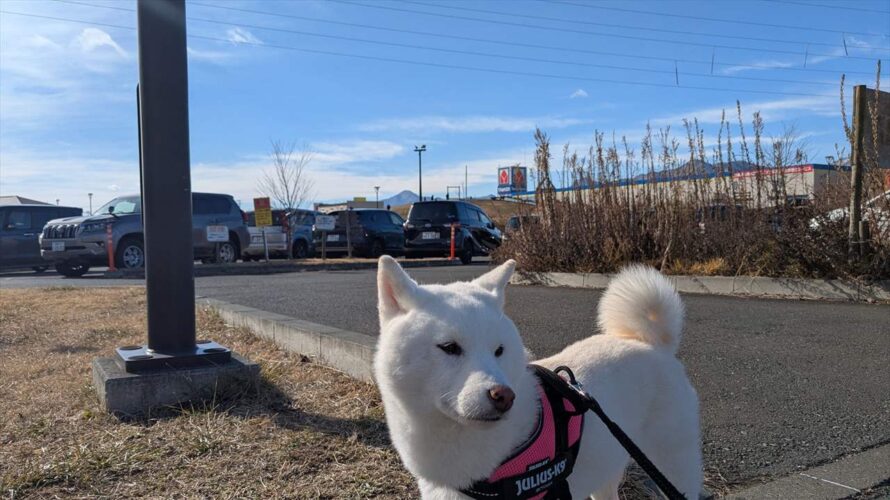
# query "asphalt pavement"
(784, 385)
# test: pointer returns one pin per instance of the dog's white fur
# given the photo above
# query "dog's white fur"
(437, 405)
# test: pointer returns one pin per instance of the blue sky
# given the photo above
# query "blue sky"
(67, 89)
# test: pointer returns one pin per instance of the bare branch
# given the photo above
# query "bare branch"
(288, 183)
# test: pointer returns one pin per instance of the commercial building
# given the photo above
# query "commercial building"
(798, 184)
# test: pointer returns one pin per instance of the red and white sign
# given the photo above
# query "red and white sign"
(504, 177)
(798, 169)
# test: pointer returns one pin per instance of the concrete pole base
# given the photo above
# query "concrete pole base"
(134, 395)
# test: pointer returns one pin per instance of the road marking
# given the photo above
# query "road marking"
(831, 482)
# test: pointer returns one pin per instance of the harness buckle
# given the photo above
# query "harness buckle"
(572, 381)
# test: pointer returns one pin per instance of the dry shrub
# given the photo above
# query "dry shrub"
(692, 214)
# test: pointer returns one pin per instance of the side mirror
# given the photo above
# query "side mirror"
(111, 209)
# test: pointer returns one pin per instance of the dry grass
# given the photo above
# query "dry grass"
(307, 432)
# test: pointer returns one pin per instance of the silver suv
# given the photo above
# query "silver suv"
(74, 244)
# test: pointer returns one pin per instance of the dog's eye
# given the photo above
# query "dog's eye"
(499, 351)
(451, 348)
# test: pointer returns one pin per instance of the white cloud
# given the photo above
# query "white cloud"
(328, 153)
(580, 93)
(776, 110)
(48, 176)
(757, 66)
(346, 169)
(241, 35)
(470, 124)
(212, 56)
(92, 39)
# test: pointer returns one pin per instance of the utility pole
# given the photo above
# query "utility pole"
(91, 202)
(377, 196)
(420, 151)
(466, 194)
(853, 235)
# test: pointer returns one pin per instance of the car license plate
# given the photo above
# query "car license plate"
(58, 246)
(333, 237)
(430, 235)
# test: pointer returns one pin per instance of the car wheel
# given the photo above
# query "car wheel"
(300, 250)
(40, 269)
(130, 254)
(226, 253)
(377, 249)
(72, 270)
(466, 256)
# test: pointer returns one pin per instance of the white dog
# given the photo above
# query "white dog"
(459, 395)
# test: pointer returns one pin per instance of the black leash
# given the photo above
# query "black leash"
(573, 391)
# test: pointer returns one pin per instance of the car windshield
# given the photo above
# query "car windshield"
(122, 206)
(433, 212)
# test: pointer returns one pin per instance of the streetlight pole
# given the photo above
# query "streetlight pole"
(377, 196)
(420, 151)
(91, 202)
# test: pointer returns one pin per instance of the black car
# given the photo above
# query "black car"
(371, 233)
(20, 228)
(428, 230)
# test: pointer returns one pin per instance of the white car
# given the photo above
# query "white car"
(877, 208)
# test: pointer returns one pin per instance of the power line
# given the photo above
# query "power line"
(499, 56)
(589, 33)
(712, 19)
(710, 63)
(624, 26)
(513, 43)
(674, 72)
(846, 6)
(446, 66)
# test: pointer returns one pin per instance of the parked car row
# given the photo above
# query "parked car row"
(40, 236)
(426, 233)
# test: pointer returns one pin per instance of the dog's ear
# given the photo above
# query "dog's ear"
(396, 291)
(496, 280)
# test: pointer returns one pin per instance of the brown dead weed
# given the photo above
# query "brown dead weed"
(305, 432)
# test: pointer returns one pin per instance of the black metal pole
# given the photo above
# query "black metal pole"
(166, 193)
(420, 173)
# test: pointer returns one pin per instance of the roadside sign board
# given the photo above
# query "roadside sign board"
(217, 233)
(512, 180)
(325, 222)
(262, 209)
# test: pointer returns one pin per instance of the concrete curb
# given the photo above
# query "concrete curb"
(745, 286)
(260, 268)
(350, 352)
(849, 475)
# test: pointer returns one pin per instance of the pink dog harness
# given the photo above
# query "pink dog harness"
(539, 468)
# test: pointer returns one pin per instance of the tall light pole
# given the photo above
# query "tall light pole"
(420, 151)
(377, 196)
(91, 202)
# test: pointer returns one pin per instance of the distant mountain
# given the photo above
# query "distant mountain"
(403, 198)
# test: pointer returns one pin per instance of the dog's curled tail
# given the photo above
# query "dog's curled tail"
(641, 304)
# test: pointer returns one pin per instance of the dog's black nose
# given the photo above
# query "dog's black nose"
(502, 397)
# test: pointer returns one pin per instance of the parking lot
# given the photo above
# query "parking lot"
(784, 385)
